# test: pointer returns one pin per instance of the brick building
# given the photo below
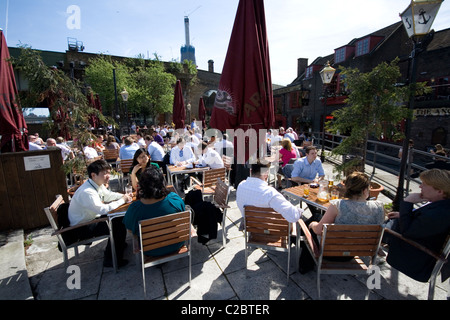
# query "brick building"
(301, 104)
(73, 62)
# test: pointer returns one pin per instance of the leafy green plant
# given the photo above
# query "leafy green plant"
(374, 108)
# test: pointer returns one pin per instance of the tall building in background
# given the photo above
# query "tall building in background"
(187, 51)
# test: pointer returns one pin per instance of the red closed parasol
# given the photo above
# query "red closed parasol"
(179, 112)
(13, 129)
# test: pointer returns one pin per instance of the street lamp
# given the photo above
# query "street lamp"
(417, 20)
(124, 95)
(326, 74)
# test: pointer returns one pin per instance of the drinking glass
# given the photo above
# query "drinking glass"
(306, 191)
(334, 194)
(128, 189)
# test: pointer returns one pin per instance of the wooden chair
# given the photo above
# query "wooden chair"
(58, 231)
(124, 167)
(111, 155)
(344, 241)
(221, 195)
(227, 162)
(208, 185)
(441, 258)
(267, 229)
(159, 232)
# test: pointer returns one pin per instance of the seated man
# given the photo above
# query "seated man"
(92, 200)
(210, 157)
(428, 225)
(255, 191)
(127, 151)
(305, 170)
(181, 155)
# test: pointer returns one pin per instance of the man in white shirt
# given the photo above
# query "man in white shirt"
(32, 145)
(255, 191)
(155, 151)
(65, 151)
(224, 147)
(141, 142)
(181, 155)
(92, 200)
(210, 157)
(89, 152)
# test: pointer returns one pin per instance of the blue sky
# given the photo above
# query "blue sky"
(296, 28)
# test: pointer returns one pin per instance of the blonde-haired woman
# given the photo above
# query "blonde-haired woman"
(428, 225)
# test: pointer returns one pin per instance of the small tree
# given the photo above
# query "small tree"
(375, 107)
(67, 101)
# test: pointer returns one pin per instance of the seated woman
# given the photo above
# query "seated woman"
(287, 152)
(354, 209)
(141, 160)
(155, 201)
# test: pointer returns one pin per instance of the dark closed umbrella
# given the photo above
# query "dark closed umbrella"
(13, 128)
(179, 112)
(244, 98)
(202, 112)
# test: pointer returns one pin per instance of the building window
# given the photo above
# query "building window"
(339, 55)
(362, 47)
(309, 72)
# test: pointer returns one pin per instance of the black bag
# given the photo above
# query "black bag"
(206, 216)
(63, 215)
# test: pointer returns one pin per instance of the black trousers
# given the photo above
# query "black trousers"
(101, 228)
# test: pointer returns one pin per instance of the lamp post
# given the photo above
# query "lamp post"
(417, 20)
(124, 95)
(326, 74)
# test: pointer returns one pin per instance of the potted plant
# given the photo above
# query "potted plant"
(374, 108)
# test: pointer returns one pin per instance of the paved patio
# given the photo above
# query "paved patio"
(218, 273)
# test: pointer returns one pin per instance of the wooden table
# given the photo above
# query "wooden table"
(174, 170)
(297, 193)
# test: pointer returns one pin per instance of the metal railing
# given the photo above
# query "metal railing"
(383, 156)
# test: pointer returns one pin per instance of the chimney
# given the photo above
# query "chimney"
(211, 65)
(302, 64)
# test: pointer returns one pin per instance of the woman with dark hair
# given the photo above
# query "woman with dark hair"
(141, 160)
(154, 201)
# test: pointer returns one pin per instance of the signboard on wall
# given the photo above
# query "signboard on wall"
(435, 112)
(37, 162)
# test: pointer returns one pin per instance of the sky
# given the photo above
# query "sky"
(295, 28)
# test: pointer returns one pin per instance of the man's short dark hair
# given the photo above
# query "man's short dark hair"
(256, 167)
(97, 167)
(309, 148)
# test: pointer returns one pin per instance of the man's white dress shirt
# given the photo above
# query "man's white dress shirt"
(256, 192)
(91, 201)
(187, 155)
(155, 151)
(212, 159)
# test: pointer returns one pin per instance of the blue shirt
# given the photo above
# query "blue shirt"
(305, 170)
(127, 152)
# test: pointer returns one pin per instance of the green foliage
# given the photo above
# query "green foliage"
(149, 86)
(375, 107)
(69, 108)
(99, 75)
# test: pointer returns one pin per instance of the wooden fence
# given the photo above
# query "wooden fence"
(29, 182)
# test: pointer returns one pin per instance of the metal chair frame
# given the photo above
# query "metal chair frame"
(267, 229)
(161, 231)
